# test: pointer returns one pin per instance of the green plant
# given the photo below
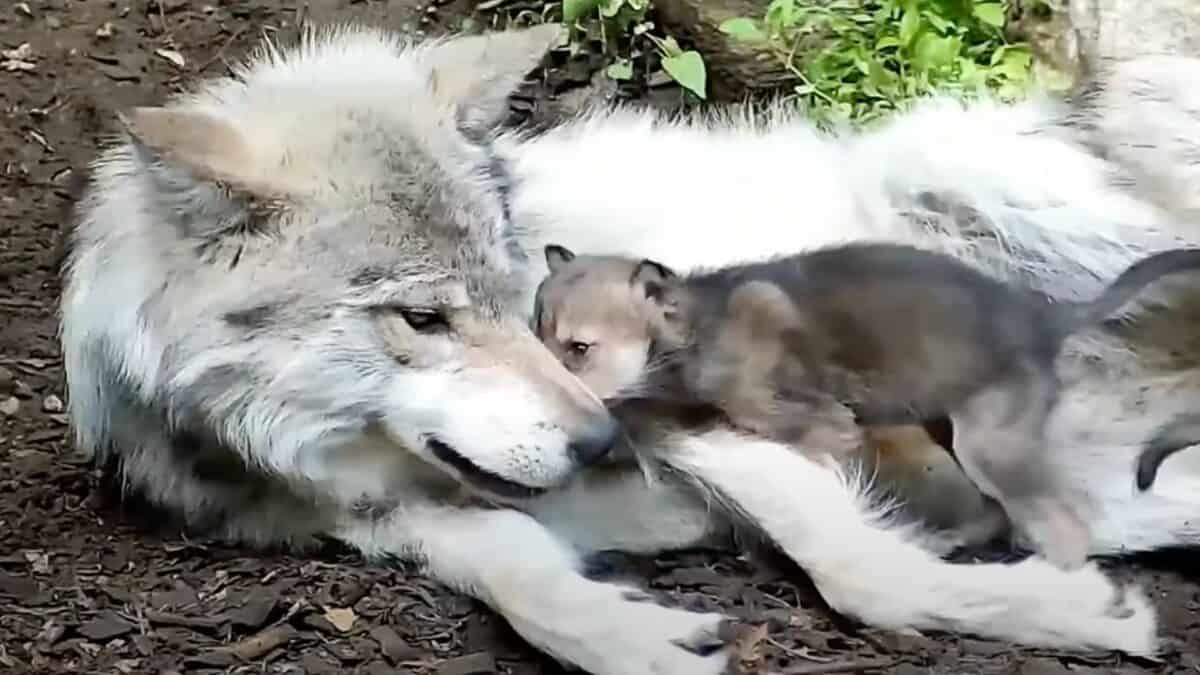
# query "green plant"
(624, 30)
(858, 60)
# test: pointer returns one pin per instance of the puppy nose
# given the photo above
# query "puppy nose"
(595, 440)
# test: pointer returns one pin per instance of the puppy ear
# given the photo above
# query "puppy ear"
(557, 256)
(653, 277)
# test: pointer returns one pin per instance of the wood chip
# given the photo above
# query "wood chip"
(106, 626)
(478, 663)
(203, 623)
(394, 648)
(254, 613)
(17, 587)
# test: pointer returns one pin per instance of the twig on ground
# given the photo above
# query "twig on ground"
(840, 667)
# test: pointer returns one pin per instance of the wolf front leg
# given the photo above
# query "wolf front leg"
(509, 561)
(876, 571)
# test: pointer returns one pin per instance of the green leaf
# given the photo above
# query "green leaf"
(880, 77)
(991, 13)
(998, 55)
(910, 23)
(933, 52)
(620, 70)
(782, 13)
(939, 22)
(1015, 64)
(610, 8)
(574, 9)
(687, 68)
(670, 48)
(887, 41)
(743, 29)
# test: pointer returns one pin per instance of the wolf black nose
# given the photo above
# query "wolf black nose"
(595, 440)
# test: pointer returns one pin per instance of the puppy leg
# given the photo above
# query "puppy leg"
(920, 470)
(506, 559)
(1001, 447)
(873, 570)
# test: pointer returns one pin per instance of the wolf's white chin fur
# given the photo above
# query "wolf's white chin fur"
(1019, 190)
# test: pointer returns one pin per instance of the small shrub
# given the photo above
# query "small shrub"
(627, 34)
(858, 60)
(854, 61)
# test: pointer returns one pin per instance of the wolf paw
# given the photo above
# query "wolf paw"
(607, 629)
(1089, 610)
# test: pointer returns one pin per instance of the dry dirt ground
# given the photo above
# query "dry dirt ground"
(89, 586)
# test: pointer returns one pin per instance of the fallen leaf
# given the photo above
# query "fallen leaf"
(746, 644)
(13, 65)
(106, 30)
(342, 619)
(173, 56)
(24, 52)
(39, 561)
(52, 404)
(10, 406)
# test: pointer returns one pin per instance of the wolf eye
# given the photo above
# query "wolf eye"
(579, 348)
(424, 320)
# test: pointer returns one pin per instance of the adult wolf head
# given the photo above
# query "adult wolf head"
(270, 281)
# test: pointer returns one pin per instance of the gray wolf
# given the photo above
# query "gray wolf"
(315, 322)
(1181, 433)
(804, 348)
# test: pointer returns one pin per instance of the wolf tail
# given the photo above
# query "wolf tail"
(1126, 286)
(1181, 432)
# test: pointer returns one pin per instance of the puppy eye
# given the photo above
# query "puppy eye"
(579, 348)
(424, 320)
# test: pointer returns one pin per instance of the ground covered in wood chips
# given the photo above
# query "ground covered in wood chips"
(89, 587)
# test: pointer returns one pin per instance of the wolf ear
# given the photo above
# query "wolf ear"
(654, 277)
(557, 256)
(475, 75)
(207, 146)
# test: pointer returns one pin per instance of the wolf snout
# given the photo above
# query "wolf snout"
(595, 439)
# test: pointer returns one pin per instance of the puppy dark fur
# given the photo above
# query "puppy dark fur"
(805, 348)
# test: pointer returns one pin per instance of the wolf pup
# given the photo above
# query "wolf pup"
(803, 348)
(1178, 434)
